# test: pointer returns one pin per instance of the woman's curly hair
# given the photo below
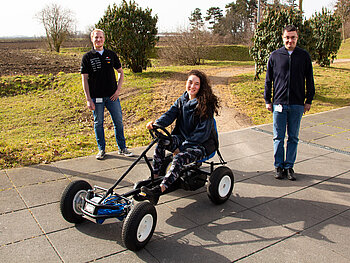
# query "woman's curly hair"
(208, 102)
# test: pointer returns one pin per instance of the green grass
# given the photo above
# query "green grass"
(344, 51)
(332, 91)
(44, 118)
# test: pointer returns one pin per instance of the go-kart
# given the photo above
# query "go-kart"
(80, 201)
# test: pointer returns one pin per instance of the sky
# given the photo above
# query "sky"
(18, 16)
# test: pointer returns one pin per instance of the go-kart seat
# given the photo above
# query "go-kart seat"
(214, 133)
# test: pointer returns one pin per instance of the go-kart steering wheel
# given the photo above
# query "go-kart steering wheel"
(161, 133)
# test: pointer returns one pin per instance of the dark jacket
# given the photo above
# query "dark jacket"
(190, 128)
(288, 74)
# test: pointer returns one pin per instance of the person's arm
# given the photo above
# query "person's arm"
(120, 83)
(268, 85)
(170, 116)
(84, 79)
(310, 85)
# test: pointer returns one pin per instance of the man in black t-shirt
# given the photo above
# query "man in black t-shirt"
(102, 90)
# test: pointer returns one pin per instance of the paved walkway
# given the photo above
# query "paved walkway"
(265, 220)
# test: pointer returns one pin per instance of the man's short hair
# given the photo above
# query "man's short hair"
(289, 28)
(96, 30)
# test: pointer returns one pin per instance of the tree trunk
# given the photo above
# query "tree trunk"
(301, 5)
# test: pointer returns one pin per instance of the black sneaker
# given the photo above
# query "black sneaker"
(152, 194)
(279, 173)
(290, 174)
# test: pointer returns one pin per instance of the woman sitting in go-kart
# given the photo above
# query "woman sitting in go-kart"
(192, 138)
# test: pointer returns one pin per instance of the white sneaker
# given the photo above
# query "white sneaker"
(101, 155)
(125, 152)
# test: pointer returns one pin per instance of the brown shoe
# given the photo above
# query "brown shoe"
(290, 174)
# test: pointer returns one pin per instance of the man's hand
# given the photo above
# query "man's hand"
(149, 125)
(269, 107)
(115, 96)
(90, 104)
(307, 107)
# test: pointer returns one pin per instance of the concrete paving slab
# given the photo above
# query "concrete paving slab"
(332, 234)
(295, 249)
(10, 201)
(333, 194)
(104, 178)
(170, 222)
(294, 214)
(130, 257)
(40, 194)
(83, 165)
(259, 222)
(194, 245)
(17, 226)
(34, 174)
(201, 210)
(36, 249)
(332, 141)
(50, 218)
(321, 168)
(88, 241)
(244, 232)
(246, 168)
(5, 183)
(266, 189)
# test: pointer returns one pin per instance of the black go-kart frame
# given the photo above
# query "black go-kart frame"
(80, 201)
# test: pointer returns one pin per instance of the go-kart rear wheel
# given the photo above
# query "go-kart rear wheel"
(220, 185)
(72, 200)
(139, 226)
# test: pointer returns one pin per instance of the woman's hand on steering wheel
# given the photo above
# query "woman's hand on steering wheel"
(159, 132)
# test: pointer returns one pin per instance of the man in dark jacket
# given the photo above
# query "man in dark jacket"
(289, 70)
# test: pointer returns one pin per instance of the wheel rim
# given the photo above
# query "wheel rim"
(78, 201)
(224, 186)
(145, 228)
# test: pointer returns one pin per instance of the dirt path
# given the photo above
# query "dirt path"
(229, 118)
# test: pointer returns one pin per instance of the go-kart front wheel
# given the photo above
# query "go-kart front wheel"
(139, 226)
(72, 200)
(220, 185)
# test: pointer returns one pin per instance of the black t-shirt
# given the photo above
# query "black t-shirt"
(102, 80)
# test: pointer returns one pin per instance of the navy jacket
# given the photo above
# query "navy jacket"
(192, 130)
(288, 75)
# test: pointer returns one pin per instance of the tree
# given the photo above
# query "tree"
(131, 32)
(214, 15)
(58, 23)
(196, 20)
(186, 47)
(325, 28)
(239, 20)
(342, 9)
(268, 35)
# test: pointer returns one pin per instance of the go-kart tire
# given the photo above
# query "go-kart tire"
(139, 225)
(71, 199)
(220, 185)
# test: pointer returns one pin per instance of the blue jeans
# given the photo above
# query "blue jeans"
(289, 119)
(115, 110)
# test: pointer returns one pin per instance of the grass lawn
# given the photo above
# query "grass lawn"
(45, 118)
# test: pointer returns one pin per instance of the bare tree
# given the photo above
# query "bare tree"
(342, 9)
(186, 47)
(58, 23)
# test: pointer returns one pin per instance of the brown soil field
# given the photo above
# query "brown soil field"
(32, 57)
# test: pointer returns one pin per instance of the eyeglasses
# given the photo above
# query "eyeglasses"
(290, 38)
